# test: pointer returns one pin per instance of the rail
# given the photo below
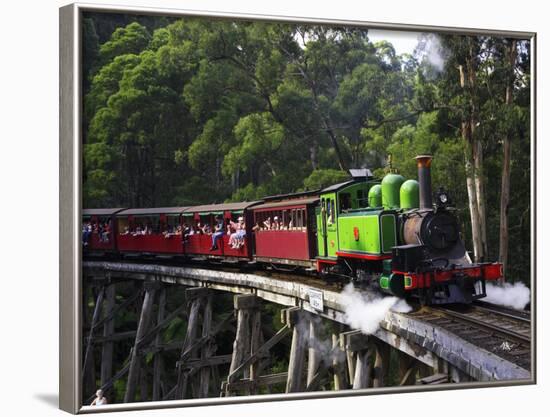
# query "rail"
(505, 333)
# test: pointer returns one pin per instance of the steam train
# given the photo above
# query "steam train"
(386, 235)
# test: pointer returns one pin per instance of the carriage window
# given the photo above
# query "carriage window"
(123, 225)
(345, 202)
(362, 201)
(172, 222)
(97, 226)
(330, 211)
(142, 225)
(284, 219)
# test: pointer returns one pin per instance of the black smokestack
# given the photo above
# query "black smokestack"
(423, 162)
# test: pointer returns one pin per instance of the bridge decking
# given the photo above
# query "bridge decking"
(432, 345)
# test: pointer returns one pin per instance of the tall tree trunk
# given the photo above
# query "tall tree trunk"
(467, 130)
(477, 153)
(235, 180)
(218, 170)
(505, 182)
(313, 156)
(472, 201)
(480, 195)
(336, 146)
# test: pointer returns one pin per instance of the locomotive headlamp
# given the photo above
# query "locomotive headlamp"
(443, 198)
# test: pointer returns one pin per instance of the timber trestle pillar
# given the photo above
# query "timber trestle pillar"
(108, 331)
(193, 374)
(381, 364)
(136, 356)
(359, 352)
(88, 367)
(297, 320)
(246, 357)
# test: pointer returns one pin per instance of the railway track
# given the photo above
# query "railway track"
(504, 332)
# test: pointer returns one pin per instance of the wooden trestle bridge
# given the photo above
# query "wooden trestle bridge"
(427, 347)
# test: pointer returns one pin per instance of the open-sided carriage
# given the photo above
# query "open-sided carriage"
(285, 230)
(201, 223)
(150, 230)
(99, 230)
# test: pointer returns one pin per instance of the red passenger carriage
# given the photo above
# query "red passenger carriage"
(151, 230)
(285, 230)
(201, 220)
(99, 229)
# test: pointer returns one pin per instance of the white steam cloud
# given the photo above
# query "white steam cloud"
(430, 51)
(365, 312)
(510, 295)
(433, 52)
(327, 354)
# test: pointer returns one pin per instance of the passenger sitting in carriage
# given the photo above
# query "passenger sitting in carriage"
(86, 232)
(105, 233)
(236, 239)
(218, 232)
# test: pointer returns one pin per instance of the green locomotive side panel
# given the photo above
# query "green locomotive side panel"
(345, 222)
(389, 232)
(360, 233)
(372, 233)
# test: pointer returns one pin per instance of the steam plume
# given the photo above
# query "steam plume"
(510, 295)
(430, 51)
(320, 343)
(433, 52)
(366, 311)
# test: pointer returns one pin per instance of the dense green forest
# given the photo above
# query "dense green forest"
(188, 111)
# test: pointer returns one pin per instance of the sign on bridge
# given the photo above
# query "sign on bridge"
(316, 299)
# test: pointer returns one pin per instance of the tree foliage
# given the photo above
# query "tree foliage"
(187, 111)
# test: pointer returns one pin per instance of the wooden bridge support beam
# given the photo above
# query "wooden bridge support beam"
(313, 358)
(445, 372)
(108, 331)
(298, 321)
(407, 369)
(456, 375)
(208, 348)
(381, 364)
(255, 362)
(246, 337)
(88, 371)
(158, 363)
(441, 367)
(341, 380)
(359, 351)
(255, 343)
(143, 385)
(144, 322)
(439, 374)
(196, 299)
